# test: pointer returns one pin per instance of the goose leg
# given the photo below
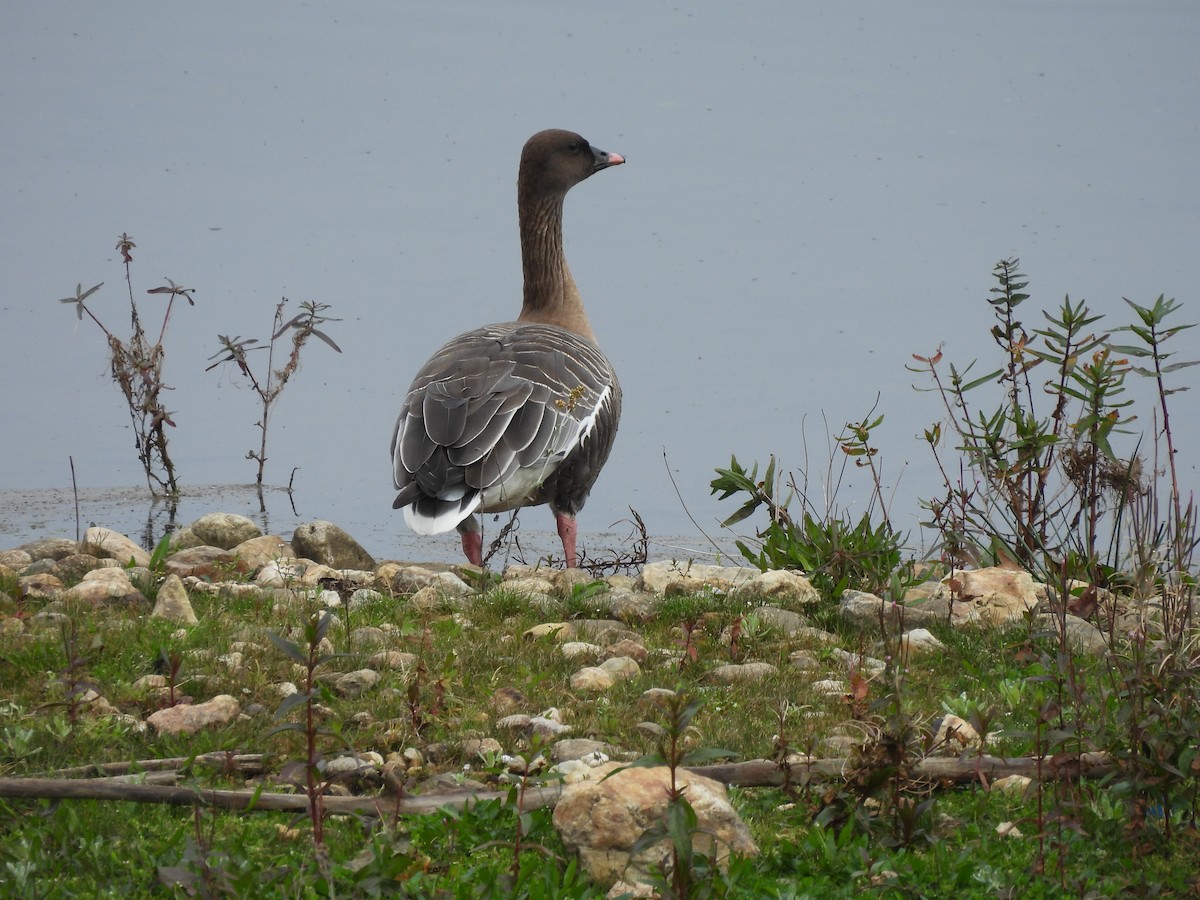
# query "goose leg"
(472, 541)
(566, 531)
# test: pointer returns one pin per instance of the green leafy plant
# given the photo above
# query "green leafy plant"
(136, 366)
(832, 548)
(690, 873)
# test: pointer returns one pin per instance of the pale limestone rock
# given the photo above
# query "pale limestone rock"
(856, 663)
(581, 650)
(410, 579)
(188, 719)
(354, 683)
(41, 587)
(256, 552)
(601, 819)
(105, 586)
(816, 635)
(635, 650)
(621, 668)
(591, 678)
(56, 548)
(1082, 635)
(804, 660)
(559, 631)
(997, 595)
(209, 563)
(781, 584)
(577, 749)
(1012, 784)
(954, 735)
(110, 544)
(15, 559)
(172, 603)
(530, 586)
(368, 636)
(829, 687)
(325, 543)
(679, 577)
(481, 748)
(656, 698)
(738, 672)
(224, 530)
(920, 640)
(393, 659)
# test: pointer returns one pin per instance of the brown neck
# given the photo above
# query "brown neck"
(550, 293)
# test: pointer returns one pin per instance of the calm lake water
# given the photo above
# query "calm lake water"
(814, 192)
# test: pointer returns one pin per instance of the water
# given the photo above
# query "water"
(814, 192)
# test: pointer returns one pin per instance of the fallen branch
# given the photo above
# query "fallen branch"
(243, 763)
(754, 773)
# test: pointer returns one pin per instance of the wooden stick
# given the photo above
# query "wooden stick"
(754, 773)
(246, 763)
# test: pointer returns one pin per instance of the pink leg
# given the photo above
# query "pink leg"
(566, 531)
(472, 544)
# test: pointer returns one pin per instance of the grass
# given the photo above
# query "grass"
(89, 848)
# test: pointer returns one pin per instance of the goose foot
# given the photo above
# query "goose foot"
(566, 531)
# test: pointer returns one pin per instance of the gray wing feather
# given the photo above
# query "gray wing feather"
(498, 402)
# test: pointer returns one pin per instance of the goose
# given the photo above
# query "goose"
(519, 413)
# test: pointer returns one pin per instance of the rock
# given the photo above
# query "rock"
(172, 603)
(1012, 784)
(413, 579)
(676, 577)
(72, 568)
(106, 586)
(734, 673)
(57, 548)
(954, 735)
(15, 559)
(920, 640)
(782, 621)
(829, 687)
(578, 748)
(577, 651)
(188, 719)
(368, 636)
(109, 544)
(559, 631)
(591, 678)
(997, 595)
(393, 659)
(352, 764)
(481, 748)
(630, 606)
(224, 530)
(209, 563)
(602, 820)
(804, 660)
(626, 647)
(325, 543)
(621, 668)
(256, 552)
(781, 584)
(1082, 636)
(656, 698)
(865, 609)
(857, 663)
(40, 587)
(354, 683)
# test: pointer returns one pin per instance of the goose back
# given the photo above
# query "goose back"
(508, 415)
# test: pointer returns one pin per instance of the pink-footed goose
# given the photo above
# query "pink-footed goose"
(520, 413)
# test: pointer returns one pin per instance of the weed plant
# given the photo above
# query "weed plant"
(136, 366)
(268, 388)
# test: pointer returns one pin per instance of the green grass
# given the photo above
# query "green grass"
(77, 848)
